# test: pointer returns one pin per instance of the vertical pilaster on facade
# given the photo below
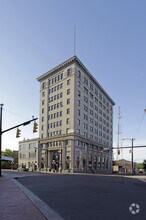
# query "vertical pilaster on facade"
(46, 155)
(63, 155)
(72, 163)
(49, 159)
(39, 155)
(93, 158)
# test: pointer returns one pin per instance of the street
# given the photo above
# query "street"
(88, 196)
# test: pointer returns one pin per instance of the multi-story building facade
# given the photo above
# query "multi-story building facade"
(29, 154)
(76, 120)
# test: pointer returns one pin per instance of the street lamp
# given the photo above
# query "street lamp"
(132, 139)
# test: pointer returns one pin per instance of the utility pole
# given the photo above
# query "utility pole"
(119, 132)
(132, 139)
(1, 108)
(1, 132)
(132, 156)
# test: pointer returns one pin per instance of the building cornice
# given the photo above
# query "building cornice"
(57, 68)
(76, 60)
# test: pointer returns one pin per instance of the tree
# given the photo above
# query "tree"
(144, 165)
(8, 153)
(139, 166)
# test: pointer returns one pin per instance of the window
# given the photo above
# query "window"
(61, 85)
(96, 108)
(67, 130)
(68, 92)
(85, 126)
(43, 110)
(68, 82)
(85, 108)
(85, 90)
(68, 111)
(91, 112)
(68, 72)
(79, 73)
(78, 121)
(78, 131)
(43, 93)
(43, 85)
(61, 76)
(49, 82)
(79, 93)
(43, 102)
(79, 83)
(42, 119)
(68, 101)
(96, 123)
(85, 99)
(61, 113)
(85, 80)
(61, 95)
(79, 102)
(78, 112)
(91, 120)
(91, 86)
(67, 142)
(85, 117)
(91, 95)
(96, 91)
(68, 121)
(91, 104)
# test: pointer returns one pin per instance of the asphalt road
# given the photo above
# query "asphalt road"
(90, 197)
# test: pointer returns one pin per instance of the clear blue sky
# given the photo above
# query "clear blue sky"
(37, 35)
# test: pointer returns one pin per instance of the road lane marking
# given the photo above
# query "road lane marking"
(144, 180)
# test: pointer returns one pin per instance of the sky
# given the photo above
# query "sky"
(37, 35)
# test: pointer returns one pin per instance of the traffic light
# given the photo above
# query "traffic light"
(35, 127)
(118, 152)
(18, 133)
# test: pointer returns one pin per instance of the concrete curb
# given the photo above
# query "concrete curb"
(48, 212)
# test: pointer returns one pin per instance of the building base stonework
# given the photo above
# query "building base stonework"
(71, 154)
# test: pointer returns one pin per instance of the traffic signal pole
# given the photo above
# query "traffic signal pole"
(1, 132)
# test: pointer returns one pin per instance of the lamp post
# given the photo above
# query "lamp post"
(132, 139)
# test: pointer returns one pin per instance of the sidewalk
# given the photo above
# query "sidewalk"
(14, 204)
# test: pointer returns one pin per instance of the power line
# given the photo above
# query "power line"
(14, 113)
(140, 123)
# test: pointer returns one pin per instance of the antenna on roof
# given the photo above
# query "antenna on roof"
(74, 40)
